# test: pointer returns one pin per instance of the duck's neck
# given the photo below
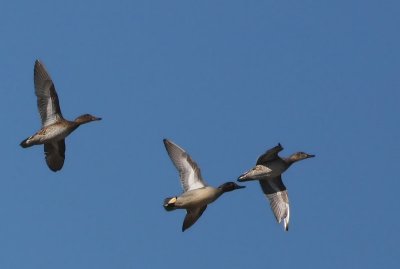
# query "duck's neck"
(220, 191)
(289, 161)
(74, 124)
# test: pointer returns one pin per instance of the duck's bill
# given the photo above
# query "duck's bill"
(240, 187)
(97, 118)
(310, 156)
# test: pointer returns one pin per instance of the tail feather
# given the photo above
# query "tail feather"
(169, 203)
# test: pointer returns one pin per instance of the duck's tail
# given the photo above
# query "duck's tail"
(25, 143)
(169, 203)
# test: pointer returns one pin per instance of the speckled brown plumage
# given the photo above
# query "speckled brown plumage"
(54, 127)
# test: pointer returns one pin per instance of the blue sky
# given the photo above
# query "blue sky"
(226, 80)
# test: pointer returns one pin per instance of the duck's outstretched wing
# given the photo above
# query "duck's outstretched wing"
(270, 155)
(278, 198)
(55, 154)
(47, 99)
(189, 172)
(192, 216)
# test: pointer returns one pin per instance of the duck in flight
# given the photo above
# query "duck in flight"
(268, 171)
(54, 127)
(196, 193)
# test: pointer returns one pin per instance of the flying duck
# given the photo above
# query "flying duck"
(268, 171)
(54, 127)
(196, 193)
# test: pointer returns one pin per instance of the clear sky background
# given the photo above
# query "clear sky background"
(225, 80)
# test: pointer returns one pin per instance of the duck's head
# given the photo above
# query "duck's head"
(298, 156)
(230, 186)
(85, 118)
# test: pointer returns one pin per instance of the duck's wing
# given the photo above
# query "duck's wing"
(47, 99)
(189, 172)
(278, 198)
(270, 155)
(55, 154)
(192, 215)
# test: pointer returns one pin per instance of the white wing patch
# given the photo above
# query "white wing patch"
(192, 182)
(50, 112)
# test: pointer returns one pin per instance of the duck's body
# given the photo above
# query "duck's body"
(196, 198)
(54, 127)
(54, 132)
(268, 171)
(197, 194)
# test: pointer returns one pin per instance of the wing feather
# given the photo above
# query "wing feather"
(192, 216)
(276, 192)
(270, 155)
(55, 154)
(47, 99)
(189, 172)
